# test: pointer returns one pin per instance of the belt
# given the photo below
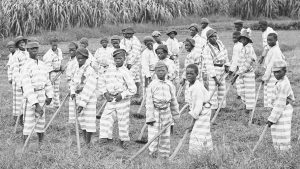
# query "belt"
(218, 65)
(161, 108)
(36, 90)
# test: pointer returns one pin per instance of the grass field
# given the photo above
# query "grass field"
(232, 139)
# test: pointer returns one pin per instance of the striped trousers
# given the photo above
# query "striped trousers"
(115, 111)
(281, 131)
(220, 92)
(269, 87)
(162, 143)
(87, 117)
(247, 85)
(17, 100)
(29, 116)
(200, 138)
(55, 100)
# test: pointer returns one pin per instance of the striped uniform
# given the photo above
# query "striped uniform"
(149, 59)
(53, 60)
(36, 86)
(194, 57)
(274, 54)
(174, 49)
(171, 69)
(214, 60)
(234, 64)
(85, 78)
(133, 48)
(246, 61)
(265, 34)
(116, 80)
(18, 61)
(200, 139)
(70, 71)
(281, 115)
(103, 58)
(161, 106)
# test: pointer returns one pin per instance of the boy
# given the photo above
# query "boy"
(38, 91)
(197, 97)
(70, 71)
(246, 62)
(83, 87)
(205, 27)
(103, 56)
(274, 54)
(281, 116)
(238, 26)
(157, 38)
(118, 87)
(199, 41)
(52, 59)
(162, 53)
(149, 59)
(216, 63)
(161, 108)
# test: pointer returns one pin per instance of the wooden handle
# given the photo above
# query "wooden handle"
(103, 105)
(253, 110)
(57, 111)
(142, 105)
(149, 142)
(183, 108)
(179, 145)
(260, 138)
(77, 129)
(142, 132)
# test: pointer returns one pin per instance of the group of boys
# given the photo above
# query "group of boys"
(116, 73)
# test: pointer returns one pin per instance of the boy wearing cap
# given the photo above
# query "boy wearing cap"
(149, 59)
(161, 109)
(238, 25)
(70, 72)
(53, 58)
(246, 63)
(280, 118)
(103, 56)
(204, 27)
(115, 42)
(118, 87)
(216, 63)
(83, 87)
(199, 41)
(274, 54)
(157, 39)
(132, 46)
(38, 91)
(197, 97)
(21, 56)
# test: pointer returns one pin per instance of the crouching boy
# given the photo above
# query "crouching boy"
(281, 116)
(197, 97)
(161, 108)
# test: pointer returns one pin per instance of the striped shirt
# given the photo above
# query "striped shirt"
(103, 56)
(282, 92)
(173, 46)
(10, 66)
(19, 60)
(53, 59)
(149, 59)
(247, 58)
(133, 48)
(193, 57)
(35, 79)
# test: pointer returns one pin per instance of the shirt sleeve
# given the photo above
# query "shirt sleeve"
(28, 89)
(134, 54)
(197, 103)
(131, 87)
(248, 61)
(279, 104)
(149, 105)
(88, 90)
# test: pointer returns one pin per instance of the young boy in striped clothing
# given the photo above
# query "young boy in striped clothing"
(118, 87)
(103, 56)
(83, 87)
(197, 97)
(161, 109)
(38, 91)
(281, 116)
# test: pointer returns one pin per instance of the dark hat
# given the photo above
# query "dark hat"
(172, 31)
(105, 39)
(31, 45)
(118, 51)
(210, 32)
(263, 22)
(129, 30)
(83, 52)
(73, 45)
(163, 47)
(191, 41)
(238, 22)
(245, 33)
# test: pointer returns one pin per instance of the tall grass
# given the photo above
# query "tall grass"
(30, 16)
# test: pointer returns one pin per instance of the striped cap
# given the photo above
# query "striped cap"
(119, 51)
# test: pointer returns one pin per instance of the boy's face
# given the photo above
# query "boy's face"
(128, 35)
(188, 46)
(213, 39)
(149, 45)
(271, 41)
(235, 38)
(161, 72)
(279, 74)
(81, 59)
(115, 43)
(83, 45)
(157, 38)
(119, 59)
(11, 49)
(72, 52)
(191, 75)
(33, 52)
(204, 25)
(21, 45)
(161, 54)
(193, 31)
(104, 44)
(244, 41)
(238, 27)
(263, 27)
(54, 45)
(172, 35)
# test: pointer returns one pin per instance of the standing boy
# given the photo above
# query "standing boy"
(199, 41)
(103, 56)
(161, 109)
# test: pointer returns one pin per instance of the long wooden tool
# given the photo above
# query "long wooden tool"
(179, 145)
(260, 139)
(19, 116)
(253, 110)
(57, 111)
(149, 142)
(101, 108)
(31, 132)
(77, 129)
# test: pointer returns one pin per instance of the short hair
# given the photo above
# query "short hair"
(194, 67)
(274, 35)
(236, 33)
